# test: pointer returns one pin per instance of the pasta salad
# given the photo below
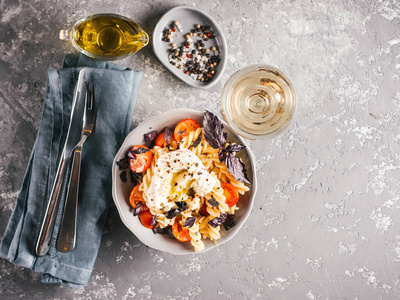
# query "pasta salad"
(190, 181)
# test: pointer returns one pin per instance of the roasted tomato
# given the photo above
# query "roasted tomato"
(141, 160)
(231, 194)
(203, 210)
(180, 233)
(145, 218)
(184, 127)
(161, 142)
(135, 197)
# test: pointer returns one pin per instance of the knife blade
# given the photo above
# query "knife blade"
(58, 189)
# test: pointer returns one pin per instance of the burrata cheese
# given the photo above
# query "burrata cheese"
(178, 176)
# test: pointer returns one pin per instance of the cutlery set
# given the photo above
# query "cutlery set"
(79, 130)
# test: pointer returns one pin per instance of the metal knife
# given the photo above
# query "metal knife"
(57, 192)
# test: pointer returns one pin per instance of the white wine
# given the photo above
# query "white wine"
(258, 102)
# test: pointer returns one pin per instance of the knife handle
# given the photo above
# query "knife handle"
(46, 231)
(67, 236)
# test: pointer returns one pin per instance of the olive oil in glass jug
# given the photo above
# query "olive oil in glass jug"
(106, 36)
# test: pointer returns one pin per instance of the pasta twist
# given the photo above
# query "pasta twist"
(187, 141)
(207, 231)
(196, 238)
(217, 194)
(163, 221)
(223, 175)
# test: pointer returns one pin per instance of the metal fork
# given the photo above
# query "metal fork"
(67, 235)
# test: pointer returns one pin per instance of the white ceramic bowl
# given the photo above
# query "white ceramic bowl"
(121, 190)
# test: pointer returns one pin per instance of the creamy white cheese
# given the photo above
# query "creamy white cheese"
(178, 176)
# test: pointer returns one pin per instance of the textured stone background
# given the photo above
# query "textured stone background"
(326, 218)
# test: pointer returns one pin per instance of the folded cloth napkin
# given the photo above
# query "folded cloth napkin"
(116, 93)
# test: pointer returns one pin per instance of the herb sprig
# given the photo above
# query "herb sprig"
(215, 135)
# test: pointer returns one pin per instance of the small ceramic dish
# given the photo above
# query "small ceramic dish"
(188, 17)
(121, 190)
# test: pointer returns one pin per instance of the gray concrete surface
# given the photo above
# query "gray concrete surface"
(326, 219)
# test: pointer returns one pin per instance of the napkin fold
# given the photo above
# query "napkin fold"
(116, 93)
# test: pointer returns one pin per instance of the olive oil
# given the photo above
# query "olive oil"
(107, 36)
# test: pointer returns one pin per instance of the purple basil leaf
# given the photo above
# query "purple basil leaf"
(182, 205)
(237, 168)
(197, 141)
(213, 202)
(217, 221)
(189, 222)
(154, 220)
(182, 132)
(139, 150)
(135, 177)
(138, 208)
(169, 232)
(150, 136)
(159, 230)
(222, 155)
(167, 135)
(123, 176)
(229, 222)
(173, 213)
(214, 131)
(235, 147)
(123, 163)
(151, 144)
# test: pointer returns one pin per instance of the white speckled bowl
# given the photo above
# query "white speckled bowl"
(121, 190)
(188, 17)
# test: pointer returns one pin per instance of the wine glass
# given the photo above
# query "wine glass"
(258, 102)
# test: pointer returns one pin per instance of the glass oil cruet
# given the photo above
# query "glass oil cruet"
(106, 36)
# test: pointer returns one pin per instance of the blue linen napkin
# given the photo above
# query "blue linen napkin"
(116, 93)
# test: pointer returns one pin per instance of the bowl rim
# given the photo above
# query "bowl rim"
(171, 69)
(246, 213)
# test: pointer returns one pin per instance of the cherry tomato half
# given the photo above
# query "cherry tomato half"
(135, 197)
(180, 233)
(145, 218)
(184, 127)
(231, 194)
(161, 142)
(141, 161)
(203, 210)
